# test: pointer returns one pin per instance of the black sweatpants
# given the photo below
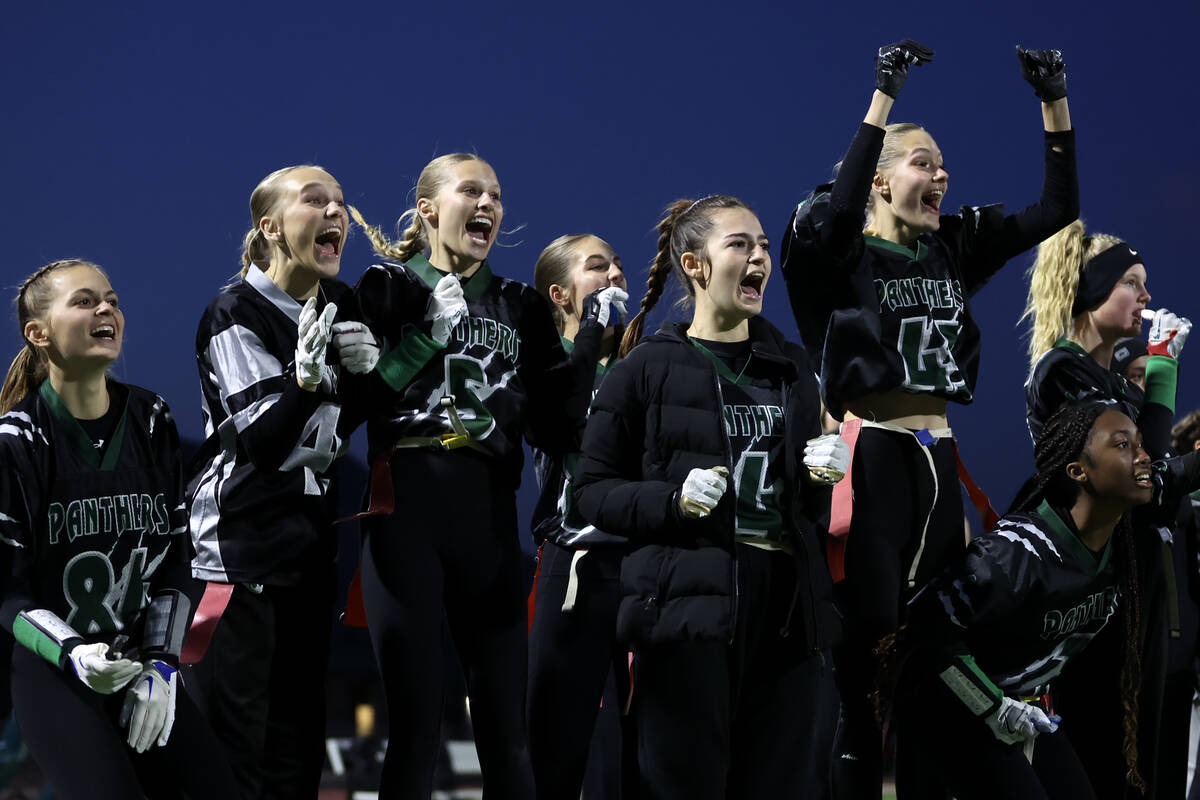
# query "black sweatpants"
(261, 686)
(750, 719)
(571, 656)
(74, 736)
(449, 555)
(948, 752)
(893, 495)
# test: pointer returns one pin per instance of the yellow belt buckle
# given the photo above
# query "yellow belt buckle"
(451, 441)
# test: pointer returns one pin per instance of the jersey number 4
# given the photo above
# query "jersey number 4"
(927, 347)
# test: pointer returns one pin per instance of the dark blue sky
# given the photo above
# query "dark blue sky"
(134, 133)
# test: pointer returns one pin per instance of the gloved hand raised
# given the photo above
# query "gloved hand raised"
(1045, 72)
(893, 61)
(356, 346)
(149, 710)
(447, 307)
(599, 305)
(702, 490)
(1015, 721)
(1168, 334)
(312, 336)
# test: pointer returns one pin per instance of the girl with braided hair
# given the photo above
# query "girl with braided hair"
(695, 451)
(880, 280)
(987, 639)
(470, 365)
(94, 553)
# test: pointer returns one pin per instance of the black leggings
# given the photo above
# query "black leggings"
(571, 655)
(74, 737)
(449, 556)
(947, 752)
(893, 495)
(751, 719)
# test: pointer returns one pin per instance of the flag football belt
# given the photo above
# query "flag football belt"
(842, 506)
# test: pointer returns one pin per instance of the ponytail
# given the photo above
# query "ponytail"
(1053, 281)
(414, 241)
(25, 374)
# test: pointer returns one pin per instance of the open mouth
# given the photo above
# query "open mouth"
(931, 201)
(1142, 478)
(752, 285)
(329, 242)
(107, 332)
(479, 229)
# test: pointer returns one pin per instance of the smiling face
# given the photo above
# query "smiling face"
(593, 266)
(82, 328)
(1114, 466)
(731, 274)
(463, 217)
(1120, 315)
(908, 194)
(309, 222)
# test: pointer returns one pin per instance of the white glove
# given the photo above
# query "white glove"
(600, 304)
(1168, 334)
(97, 672)
(356, 347)
(702, 490)
(446, 308)
(149, 710)
(1015, 721)
(313, 334)
(827, 458)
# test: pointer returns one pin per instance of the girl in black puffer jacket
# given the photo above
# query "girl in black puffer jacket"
(695, 451)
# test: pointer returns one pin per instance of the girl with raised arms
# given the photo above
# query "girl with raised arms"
(572, 645)
(260, 505)
(471, 364)
(693, 451)
(92, 534)
(879, 280)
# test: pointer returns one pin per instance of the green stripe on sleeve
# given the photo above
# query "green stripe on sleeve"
(45, 634)
(401, 364)
(1162, 377)
(969, 683)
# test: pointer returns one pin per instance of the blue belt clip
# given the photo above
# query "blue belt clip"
(925, 437)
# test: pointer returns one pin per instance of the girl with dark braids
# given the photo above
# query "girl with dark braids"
(986, 640)
(880, 279)
(695, 451)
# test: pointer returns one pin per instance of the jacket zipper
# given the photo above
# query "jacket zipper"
(733, 606)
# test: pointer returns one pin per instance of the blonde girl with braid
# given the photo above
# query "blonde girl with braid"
(696, 452)
(471, 365)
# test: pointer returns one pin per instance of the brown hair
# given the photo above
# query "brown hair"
(256, 249)
(415, 238)
(30, 367)
(1053, 282)
(683, 229)
(1185, 433)
(554, 267)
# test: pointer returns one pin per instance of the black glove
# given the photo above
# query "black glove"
(1045, 71)
(891, 65)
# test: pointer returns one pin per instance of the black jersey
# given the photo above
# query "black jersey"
(1066, 373)
(91, 533)
(1027, 597)
(257, 498)
(880, 316)
(555, 517)
(502, 364)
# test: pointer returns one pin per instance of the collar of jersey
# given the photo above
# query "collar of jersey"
(886, 244)
(1066, 344)
(1065, 534)
(75, 432)
(270, 290)
(473, 287)
(722, 368)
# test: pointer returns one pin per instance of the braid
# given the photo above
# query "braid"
(660, 268)
(1131, 668)
(1065, 436)
(403, 250)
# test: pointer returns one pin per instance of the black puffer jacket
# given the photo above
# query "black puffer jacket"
(657, 416)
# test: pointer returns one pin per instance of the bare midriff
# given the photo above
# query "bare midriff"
(905, 409)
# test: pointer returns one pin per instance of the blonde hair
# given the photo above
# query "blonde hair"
(554, 267)
(1054, 281)
(889, 155)
(30, 366)
(415, 238)
(683, 229)
(256, 248)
